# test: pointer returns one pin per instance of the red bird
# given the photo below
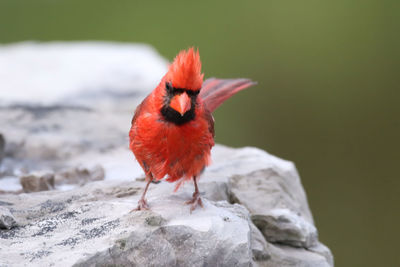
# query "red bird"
(172, 130)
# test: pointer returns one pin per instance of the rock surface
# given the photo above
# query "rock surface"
(256, 212)
(93, 225)
(278, 205)
(7, 220)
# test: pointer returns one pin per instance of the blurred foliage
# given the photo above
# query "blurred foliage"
(327, 99)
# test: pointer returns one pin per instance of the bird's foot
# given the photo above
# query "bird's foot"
(196, 200)
(142, 205)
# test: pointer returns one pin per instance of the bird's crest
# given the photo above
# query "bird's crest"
(185, 71)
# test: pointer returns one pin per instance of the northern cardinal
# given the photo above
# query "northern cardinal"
(172, 130)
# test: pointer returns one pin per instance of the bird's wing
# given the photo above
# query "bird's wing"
(138, 110)
(210, 119)
(215, 91)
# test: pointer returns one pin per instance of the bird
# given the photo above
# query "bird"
(172, 130)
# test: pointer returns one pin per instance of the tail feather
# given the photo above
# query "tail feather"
(215, 91)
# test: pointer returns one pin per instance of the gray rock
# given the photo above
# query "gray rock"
(324, 251)
(84, 124)
(89, 111)
(289, 256)
(278, 205)
(214, 190)
(284, 226)
(93, 226)
(259, 245)
(36, 182)
(175, 245)
(79, 175)
(7, 220)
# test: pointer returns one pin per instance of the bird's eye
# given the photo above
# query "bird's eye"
(193, 93)
(168, 86)
(178, 91)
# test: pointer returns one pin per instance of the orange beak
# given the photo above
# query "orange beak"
(181, 103)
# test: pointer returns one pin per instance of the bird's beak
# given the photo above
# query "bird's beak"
(181, 103)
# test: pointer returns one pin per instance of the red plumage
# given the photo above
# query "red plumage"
(172, 130)
(185, 71)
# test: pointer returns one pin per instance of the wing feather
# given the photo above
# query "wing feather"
(215, 91)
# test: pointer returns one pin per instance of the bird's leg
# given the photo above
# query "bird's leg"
(142, 203)
(196, 200)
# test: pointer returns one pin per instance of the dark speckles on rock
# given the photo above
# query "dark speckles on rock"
(100, 231)
(50, 224)
(67, 215)
(71, 241)
(51, 206)
(88, 221)
(46, 226)
(9, 234)
(39, 254)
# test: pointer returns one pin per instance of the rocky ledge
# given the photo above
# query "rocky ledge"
(68, 182)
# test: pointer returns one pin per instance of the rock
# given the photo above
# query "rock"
(89, 226)
(7, 220)
(184, 242)
(259, 246)
(278, 205)
(93, 225)
(288, 256)
(214, 190)
(79, 175)
(286, 227)
(255, 209)
(324, 251)
(36, 182)
(88, 112)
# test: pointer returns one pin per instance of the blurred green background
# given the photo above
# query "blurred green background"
(328, 94)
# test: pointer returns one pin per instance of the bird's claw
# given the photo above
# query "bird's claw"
(142, 205)
(196, 200)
